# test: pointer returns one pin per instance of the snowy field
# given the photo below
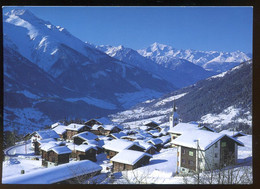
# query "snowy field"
(160, 170)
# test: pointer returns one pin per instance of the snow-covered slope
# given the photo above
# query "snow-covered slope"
(73, 78)
(209, 60)
(180, 72)
(222, 101)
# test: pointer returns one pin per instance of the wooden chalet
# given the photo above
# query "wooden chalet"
(149, 148)
(56, 124)
(152, 125)
(115, 146)
(73, 129)
(132, 137)
(105, 129)
(55, 155)
(98, 121)
(61, 131)
(38, 143)
(158, 143)
(83, 152)
(199, 150)
(129, 160)
(117, 135)
(155, 133)
(44, 134)
(84, 136)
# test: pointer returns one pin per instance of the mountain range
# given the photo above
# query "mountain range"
(49, 74)
(222, 101)
(210, 60)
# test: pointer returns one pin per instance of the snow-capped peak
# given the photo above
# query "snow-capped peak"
(210, 60)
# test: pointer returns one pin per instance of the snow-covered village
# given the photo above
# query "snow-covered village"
(81, 108)
(100, 151)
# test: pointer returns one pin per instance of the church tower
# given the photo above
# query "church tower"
(174, 117)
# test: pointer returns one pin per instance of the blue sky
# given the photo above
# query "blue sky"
(201, 28)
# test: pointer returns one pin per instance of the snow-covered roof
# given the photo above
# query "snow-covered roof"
(205, 138)
(95, 127)
(55, 174)
(208, 128)
(102, 120)
(144, 144)
(181, 128)
(232, 133)
(119, 145)
(86, 136)
(129, 157)
(118, 135)
(134, 137)
(144, 128)
(46, 141)
(155, 133)
(44, 134)
(149, 122)
(55, 124)
(75, 127)
(60, 129)
(84, 147)
(47, 146)
(165, 139)
(155, 141)
(91, 142)
(60, 149)
(109, 127)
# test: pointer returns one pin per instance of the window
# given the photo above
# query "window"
(183, 161)
(223, 144)
(216, 145)
(183, 151)
(216, 155)
(191, 162)
(190, 153)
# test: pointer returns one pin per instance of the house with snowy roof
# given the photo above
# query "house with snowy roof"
(117, 135)
(83, 152)
(61, 131)
(53, 155)
(115, 146)
(62, 174)
(155, 133)
(151, 124)
(97, 144)
(105, 129)
(39, 143)
(181, 128)
(234, 134)
(98, 121)
(129, 160)
(158, 143)
(44, 134)
(56, 124)
(200, 150)
(149, 148)
(74, 128)
(84, 136)
(133, 137)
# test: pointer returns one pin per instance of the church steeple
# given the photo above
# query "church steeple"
(174, 117)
